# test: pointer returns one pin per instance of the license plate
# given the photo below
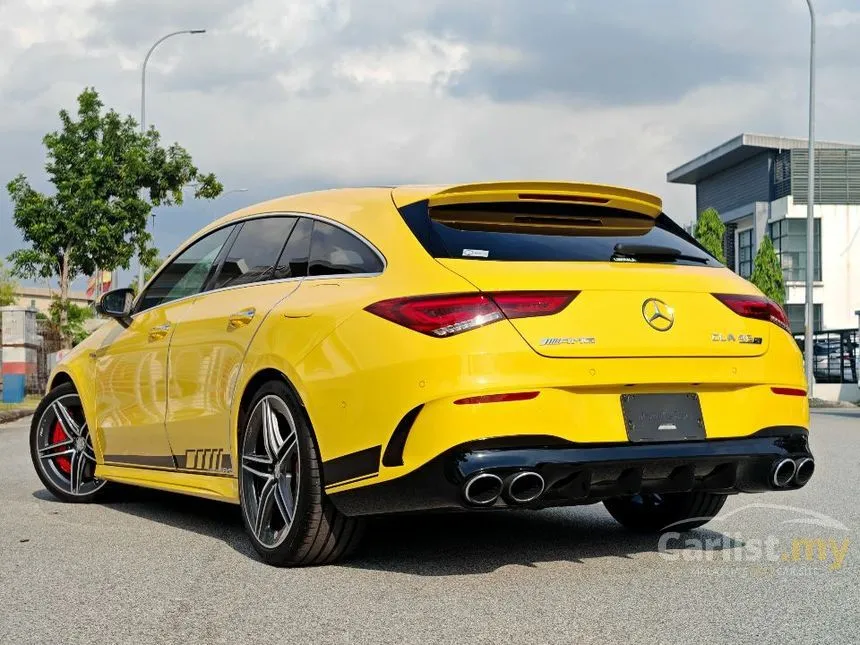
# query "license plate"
(662, 417)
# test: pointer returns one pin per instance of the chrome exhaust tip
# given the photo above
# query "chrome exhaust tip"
(524, 487)
(803, 471)
(783, 472)
(483, 489)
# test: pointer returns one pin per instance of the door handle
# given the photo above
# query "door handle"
(241, 318)
(159, 332)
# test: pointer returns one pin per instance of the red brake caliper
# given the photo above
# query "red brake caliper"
(57, 435)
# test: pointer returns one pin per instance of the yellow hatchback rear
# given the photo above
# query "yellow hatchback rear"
(592, 351)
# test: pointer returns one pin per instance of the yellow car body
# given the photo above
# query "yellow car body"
(163, 390)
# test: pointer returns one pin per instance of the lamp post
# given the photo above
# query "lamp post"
(143, 112)
(810, 211)
(231, 191)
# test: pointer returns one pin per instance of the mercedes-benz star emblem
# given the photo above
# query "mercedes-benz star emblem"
(658, 314)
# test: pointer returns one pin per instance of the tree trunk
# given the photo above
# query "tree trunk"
(64, 301)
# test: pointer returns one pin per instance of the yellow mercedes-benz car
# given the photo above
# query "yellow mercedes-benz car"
(324, 357)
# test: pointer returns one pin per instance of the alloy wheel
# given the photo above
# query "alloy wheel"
(270, 471)
(65, 448)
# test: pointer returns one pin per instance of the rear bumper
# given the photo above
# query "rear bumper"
(581, 474)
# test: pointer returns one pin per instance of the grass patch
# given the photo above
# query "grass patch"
(29, 403)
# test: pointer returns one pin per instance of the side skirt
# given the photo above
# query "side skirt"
(224, 489)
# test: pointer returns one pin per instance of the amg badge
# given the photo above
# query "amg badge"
(581, 340)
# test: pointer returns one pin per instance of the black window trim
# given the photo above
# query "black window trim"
(237, 226)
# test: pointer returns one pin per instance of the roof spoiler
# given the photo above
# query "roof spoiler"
(538, 191)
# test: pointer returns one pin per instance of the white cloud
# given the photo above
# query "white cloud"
(840, 19)
(422, 59)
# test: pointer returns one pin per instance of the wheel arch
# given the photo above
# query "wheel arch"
(60, 378)
(260, 377)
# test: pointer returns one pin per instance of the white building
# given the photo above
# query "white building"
(758, 184)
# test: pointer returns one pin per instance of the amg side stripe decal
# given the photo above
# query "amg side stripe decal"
(211, 462)
(356, 465)
(155, 461)
(206, 459)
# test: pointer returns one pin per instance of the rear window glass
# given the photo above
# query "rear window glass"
(336, 252)
(550, 232)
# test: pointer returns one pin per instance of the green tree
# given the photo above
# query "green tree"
(8, 286)
(68, 319)
(767, 272)
(709, 232)
(107, 177)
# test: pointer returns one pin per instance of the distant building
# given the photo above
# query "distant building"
(759, 184)
(40, 297)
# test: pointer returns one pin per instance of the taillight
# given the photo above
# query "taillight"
(524, 304)
(451, 314)
(757, 307)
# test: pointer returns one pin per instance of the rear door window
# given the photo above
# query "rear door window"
(254, 253)
(550, 232)
(335, 251)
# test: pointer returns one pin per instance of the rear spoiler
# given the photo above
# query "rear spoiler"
(532, 191)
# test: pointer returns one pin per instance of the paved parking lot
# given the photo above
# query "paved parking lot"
(158, 568)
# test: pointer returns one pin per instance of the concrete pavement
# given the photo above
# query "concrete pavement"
(160, 568)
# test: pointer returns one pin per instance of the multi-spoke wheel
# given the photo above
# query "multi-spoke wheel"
(62, 449)
(286, 513)
(654, 512)
(272, 467)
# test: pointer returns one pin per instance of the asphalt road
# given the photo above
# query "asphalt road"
(160, 568)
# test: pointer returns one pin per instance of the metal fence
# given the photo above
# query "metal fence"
(836, 355)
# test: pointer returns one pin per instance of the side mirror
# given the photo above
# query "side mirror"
(116, 303)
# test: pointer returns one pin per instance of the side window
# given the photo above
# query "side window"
(187, 273)
(255, 251)
(335, 252)
(293, 262)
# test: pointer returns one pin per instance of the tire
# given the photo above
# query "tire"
(653, 513)
(279, 468)
(61, 448)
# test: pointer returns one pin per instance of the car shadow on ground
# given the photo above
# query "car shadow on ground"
(429, 544)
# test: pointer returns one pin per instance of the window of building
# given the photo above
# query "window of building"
(334, 252)
(253, 254)
(789, 240)
(745, 253)
(797, 317)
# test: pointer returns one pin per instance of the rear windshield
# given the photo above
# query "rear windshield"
(551, 232)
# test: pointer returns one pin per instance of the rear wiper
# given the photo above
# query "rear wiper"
(654, 252)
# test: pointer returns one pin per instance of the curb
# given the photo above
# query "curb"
(12, 415)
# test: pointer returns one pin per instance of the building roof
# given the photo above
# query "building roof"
(740, 148)
(42, 292)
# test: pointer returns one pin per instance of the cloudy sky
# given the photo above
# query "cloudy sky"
(292, 95)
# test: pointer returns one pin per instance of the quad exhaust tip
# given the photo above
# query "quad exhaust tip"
(803, 471)
(483, 489)
(524, 487)
(783, 473)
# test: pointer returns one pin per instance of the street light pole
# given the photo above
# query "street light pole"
(810, 211)
(140, 279)
(231, 191)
